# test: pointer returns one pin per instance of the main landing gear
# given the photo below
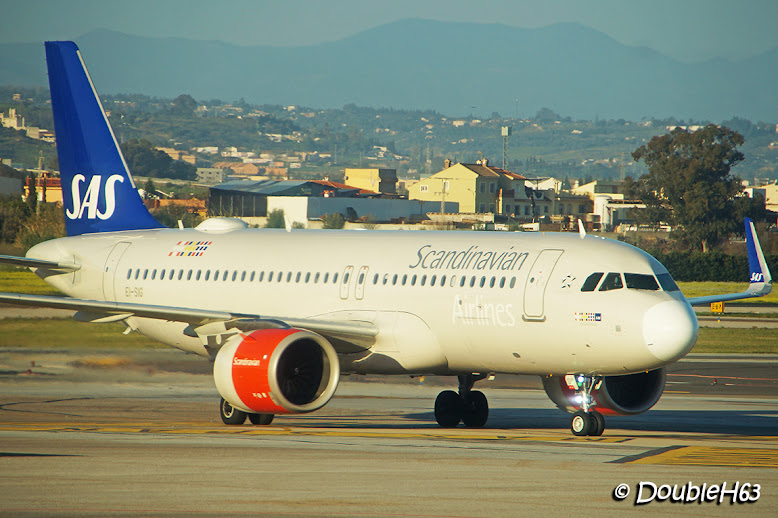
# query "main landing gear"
(587, 421)
(469, 406)
(233, 416)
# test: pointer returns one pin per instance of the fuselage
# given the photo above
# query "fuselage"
(444, 302)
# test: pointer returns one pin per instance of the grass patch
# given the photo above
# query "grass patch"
(69, 334)
(24, 281)
(737, 341)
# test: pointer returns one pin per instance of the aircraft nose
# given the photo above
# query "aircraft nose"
(670, 329)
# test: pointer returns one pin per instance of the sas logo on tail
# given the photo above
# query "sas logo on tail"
(757, 277)
(92, 195)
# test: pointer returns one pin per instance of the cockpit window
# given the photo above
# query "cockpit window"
(667, 282)
(591, 282)
(612, 282)
(639, 281)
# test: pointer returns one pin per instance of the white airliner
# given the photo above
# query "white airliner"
(282, 314)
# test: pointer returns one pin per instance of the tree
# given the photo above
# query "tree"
(183, 105)
(333, 221)
(689, 184)
(276, 219)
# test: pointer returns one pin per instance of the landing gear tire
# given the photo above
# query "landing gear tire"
(448, 409)
(476, 411)
(598, 423)
(261, 419)
(231, 415)
(581, 423)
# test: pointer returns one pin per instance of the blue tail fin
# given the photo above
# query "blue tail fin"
(97, 190)
(757, 266)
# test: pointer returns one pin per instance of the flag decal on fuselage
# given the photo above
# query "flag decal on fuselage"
(189, 248)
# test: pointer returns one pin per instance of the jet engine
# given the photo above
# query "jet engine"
(277, 371)
(626, 395)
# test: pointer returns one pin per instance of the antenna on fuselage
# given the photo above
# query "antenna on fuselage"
(581, 229)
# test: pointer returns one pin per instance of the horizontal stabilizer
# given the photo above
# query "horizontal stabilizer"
(27, 262)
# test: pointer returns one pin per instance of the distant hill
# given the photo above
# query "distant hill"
(455, 68)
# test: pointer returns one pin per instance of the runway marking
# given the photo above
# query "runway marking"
(712, 456)
(193, 429)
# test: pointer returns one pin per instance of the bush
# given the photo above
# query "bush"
(333, 221)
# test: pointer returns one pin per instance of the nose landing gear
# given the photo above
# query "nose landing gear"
(468, 406)
(587, 421)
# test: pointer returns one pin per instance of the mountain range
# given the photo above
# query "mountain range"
(454, 68)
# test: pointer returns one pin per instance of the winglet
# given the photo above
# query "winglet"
(761, 280)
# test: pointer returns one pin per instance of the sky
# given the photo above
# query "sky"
(687, 30)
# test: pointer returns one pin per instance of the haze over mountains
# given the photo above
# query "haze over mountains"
(455, 68)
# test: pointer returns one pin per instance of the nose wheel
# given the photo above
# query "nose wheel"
(468, 406)
(587, 421)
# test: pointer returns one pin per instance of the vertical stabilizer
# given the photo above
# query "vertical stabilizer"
(98, 192)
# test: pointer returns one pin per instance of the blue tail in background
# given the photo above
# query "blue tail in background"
(98, 192)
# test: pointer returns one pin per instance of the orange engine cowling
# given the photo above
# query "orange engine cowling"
(277, 371)
(626, 395)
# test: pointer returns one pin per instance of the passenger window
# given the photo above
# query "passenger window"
(334, 278)
(413, 280)
(129, 274)
(361, 278)
(591, 282)
(667, 282)
(472, 281)
(180, 274)
(345, 278)
(612, 282)
(513, 282)
(297, 277)
(170, 274)
(483, 281)
(492, 281)
(270, 277)
(386, 279)
(405, 278)
(289, 277)
(207, 274)
(423, 280)
(225, 274)
(308, 277)
(502, 282)
(189, 275)
(162, 275)
(137, 273)
(145, 273)
(243, 276)
(216, 275)
(394, 280)
(375, 279)
(251, 279)
(261, 276)
(433, 279)
(234, 275)
(443, 281)
(153, 274)
(197, 277)
(326, 276)
(316, 278)
(638, 281)
(462, 281)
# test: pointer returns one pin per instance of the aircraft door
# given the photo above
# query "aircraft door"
(109, 272)
(537, 280)
(361, 281)
(345, 282)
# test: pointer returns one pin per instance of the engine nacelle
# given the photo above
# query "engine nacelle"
(277, 371)
(626, 395)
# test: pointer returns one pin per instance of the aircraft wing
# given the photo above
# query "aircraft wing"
(761, 280)
(345, 335)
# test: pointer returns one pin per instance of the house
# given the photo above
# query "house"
(379, 180)
(481, 188)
